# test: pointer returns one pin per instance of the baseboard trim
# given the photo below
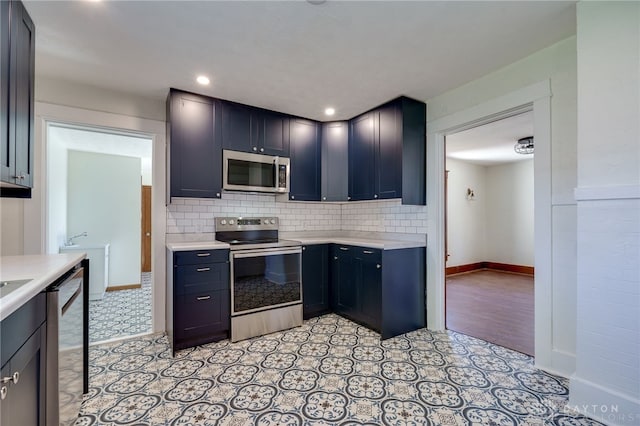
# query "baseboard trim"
(606, 405)
(505, 267)
(124, 287)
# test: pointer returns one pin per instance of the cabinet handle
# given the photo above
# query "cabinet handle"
(203, 269)
(203, 254)
(261, 149)
(18, 177)
(344, 249)
(375, 195)
(367, 251)
(218, 194)
(203, 298)
(293, 197)
(378, 266)
(335, 257)
(304, 248)
(13, 378)
(324, 198)
(255, 149)
(3, 392)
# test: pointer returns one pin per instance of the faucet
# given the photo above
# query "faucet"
(70, 240)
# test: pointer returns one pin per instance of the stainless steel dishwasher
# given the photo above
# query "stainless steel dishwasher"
(65, 347)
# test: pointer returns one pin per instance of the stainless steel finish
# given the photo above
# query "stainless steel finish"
(235, 223)
(278, 244)
(203, 298)
(65, 349)
(255, 158)
(262, 253)
(12, 378)
(265, 322)
(203, 269)
(344, 248)
(375, 196)
(378, 266)
(3, 392)
(203, 254)
(7, 287)
(335, 257)
(367, 251)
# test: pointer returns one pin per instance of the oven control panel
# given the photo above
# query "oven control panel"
(246, 223)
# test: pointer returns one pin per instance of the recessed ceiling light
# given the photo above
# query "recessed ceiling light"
(329, 111)
(203, 80)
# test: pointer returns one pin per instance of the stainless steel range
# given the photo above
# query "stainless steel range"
(266, 276)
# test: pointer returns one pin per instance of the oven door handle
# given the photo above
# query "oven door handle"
(265, 252)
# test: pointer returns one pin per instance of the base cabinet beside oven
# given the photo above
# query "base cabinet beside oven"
(380, 289)
(199, 292)
(315, 280)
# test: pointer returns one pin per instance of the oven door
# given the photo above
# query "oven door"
(264, 279)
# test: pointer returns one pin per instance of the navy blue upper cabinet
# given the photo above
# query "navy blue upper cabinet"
(195, 154)
(362, 156)
(249, 129)
(387, 153)
(335, 161)
(305, 160)
(17, 59)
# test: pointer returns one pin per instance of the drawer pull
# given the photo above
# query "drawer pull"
(203, 269)
(203, 298)
(13, 378)
(344, 249)
(367, 251)
(378, 266)
(203, 254)
(3, 392)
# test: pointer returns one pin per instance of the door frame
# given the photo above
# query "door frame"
(536, 98)
(36, 217)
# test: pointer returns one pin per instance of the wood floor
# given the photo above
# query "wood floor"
(493, 306)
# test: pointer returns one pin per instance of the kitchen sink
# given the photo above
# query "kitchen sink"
(7, 287)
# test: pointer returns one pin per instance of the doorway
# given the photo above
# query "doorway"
(95, 185)
(489, 234)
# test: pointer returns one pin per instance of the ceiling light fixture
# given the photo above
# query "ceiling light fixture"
(202, 80)
(524, 145)
(329, 111)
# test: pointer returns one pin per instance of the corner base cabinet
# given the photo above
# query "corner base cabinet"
(383, 290)
(22, 390)
(315, 280)
(198, 302)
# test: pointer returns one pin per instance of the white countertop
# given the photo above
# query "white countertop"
(42, 270)
(382, 241)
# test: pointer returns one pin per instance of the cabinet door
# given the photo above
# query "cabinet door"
(202, 315)
(344, 290)
(24, 401)
(7, 145)
(305, 161)
(21, 95)
(335, 161)
(238, 131)
(196, 155)
(315, 280)
(367, 268)
(273, 134)
(389, 153)
(362, 157)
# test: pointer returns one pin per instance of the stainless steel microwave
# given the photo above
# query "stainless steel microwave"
(243, 171)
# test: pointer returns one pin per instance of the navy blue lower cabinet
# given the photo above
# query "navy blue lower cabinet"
(383, 290)
(198, 300)
(315, 280)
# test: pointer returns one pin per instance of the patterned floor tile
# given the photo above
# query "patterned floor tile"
(330, 371)
(121, 313)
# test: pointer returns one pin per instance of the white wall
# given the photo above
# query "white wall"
(57, 158)
(104, 200)
(466, 219)
(606, 383)
(509, 203)
(11, 226)
(556, 64)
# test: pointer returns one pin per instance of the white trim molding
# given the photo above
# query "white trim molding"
(603, 404)
(536, 98)
(602, 193)
(35, 217)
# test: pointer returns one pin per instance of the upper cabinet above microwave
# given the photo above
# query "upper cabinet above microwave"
(254, 130)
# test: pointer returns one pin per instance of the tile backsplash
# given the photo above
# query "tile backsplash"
(196, 215)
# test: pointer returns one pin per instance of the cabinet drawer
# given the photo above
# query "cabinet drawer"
(191, 279)
(200, 256)
(17, 327)
(201, 313)
(375, 255)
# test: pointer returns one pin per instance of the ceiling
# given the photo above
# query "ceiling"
(491, 144)
(291, 56)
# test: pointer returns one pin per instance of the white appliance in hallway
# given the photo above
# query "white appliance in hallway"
(98, 255)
